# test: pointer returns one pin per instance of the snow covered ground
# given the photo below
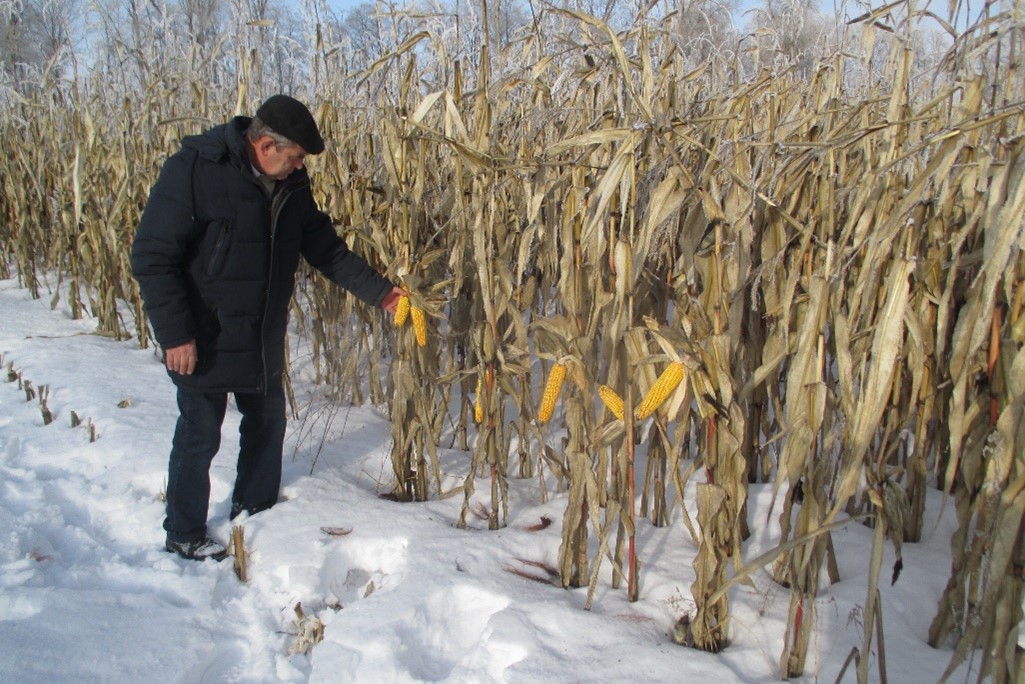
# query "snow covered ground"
(87, 593)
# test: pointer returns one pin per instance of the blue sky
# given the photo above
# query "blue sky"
(343, 4)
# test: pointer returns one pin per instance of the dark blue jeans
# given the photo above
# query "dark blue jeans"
(197, 437)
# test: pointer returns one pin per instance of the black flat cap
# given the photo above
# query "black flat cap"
(291, 118)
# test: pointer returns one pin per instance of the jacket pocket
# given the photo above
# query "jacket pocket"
(219, 236)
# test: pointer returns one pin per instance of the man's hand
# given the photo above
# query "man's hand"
(391, 300)
(182, 359)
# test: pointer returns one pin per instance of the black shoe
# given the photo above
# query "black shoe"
(238, 509)
(197, 550)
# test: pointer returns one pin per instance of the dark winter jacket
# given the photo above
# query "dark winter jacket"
(216, 258)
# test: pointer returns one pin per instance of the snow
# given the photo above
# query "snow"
(87, 592)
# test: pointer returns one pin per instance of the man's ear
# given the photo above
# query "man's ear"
(264, 145)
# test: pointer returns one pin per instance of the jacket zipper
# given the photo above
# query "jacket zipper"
(278, 201)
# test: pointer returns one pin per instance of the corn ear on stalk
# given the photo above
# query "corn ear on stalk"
(551, 393)
(402, 311)
(613, 402)
(478, 407)
(660, 391)
(419, 324)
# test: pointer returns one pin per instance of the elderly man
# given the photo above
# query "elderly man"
(215, 255)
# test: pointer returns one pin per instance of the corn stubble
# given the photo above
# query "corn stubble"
(831, 277)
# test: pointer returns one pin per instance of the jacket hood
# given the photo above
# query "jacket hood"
(223, 143)
(226, 144)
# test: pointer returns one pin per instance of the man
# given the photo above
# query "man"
(215, 255)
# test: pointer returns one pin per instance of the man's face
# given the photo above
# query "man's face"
(277, 161)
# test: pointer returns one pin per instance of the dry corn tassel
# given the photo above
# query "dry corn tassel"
(660, 391)
(419, 325)
(478, 405)
(402, 311)
(613, 402)
(551, 393)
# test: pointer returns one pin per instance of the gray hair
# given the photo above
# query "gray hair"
(258, 129)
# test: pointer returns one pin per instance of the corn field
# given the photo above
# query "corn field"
(639, 272)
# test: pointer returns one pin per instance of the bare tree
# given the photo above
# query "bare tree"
(36, 35)
(792, 31)
(363, 30)
(505, 17)
(704, 27)
(203, 20)
(14, 47)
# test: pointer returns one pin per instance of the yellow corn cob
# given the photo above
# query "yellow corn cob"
(478, 407)
(419, 325)
(660, 391)
(551, 393)
(402, 311)
(613, 402)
